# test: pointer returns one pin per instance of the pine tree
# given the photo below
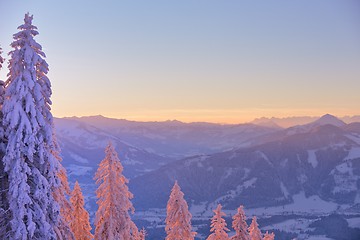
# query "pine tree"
(239, 225)
(28, 123)
(254, 230)
(80, 224)
(178, 217)
(218, 225)
(61, 194)
(269, 236)
(112, 219)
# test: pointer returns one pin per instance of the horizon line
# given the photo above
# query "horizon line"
(209, 122)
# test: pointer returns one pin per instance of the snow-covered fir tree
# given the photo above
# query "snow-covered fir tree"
(239, 225)
(269, 236)
(178, 217)
(112, 217)
(2, 136)
(61, 194)
(80, 224)
(28, 123)
(254, 230)
(4, 204)
(218, 225)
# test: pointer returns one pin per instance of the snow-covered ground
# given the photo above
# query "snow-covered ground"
(301, 204)
(292, 225)
(354, 222)
(78, 170)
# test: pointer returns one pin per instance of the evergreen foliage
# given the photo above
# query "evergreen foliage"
(61, 194)
(4, 204)
(80, 224)
(269, 236)
(178, 217)
(239, 225)
(112, 217)
(254, 230)
(28, 123)
(218, 225)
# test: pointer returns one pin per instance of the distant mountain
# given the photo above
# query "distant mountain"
(328, 119)
(298, 129)
(177, 139)
(294, 121)
(297, 179)
(83, 148)
(283, 122)
(322, 121)
(351, 119)
(323, 162)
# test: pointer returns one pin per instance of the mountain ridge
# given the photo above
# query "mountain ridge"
(283, 122)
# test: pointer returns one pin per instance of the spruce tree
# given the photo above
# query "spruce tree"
(61, 194)
(29, 163)
(178, 217)
(112, 219)
(239, 225)
(4, 204)
(80, 224)
(254, 230)
(218, 225)
(269, 236)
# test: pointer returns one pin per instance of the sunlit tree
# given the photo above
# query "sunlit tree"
(254, 230)
(112, 217)
(80, 224)
(61, 194)
(218, 225)
(178, 217)
(269, 236)
(239, 225)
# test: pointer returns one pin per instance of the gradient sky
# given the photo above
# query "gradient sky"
(204, 60)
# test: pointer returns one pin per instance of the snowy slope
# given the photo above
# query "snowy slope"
(302, 176)
(324, 162)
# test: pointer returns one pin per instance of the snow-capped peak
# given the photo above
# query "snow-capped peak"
(328, 119)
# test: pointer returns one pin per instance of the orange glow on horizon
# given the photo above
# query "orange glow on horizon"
(223, 116)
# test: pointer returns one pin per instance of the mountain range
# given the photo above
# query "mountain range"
(299, 175)
(294, 121)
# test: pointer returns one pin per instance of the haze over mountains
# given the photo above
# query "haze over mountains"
(301, 175)
(293, 121)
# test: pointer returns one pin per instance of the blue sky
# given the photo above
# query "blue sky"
(219, 61)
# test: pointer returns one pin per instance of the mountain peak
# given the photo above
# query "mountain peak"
(329, 119)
